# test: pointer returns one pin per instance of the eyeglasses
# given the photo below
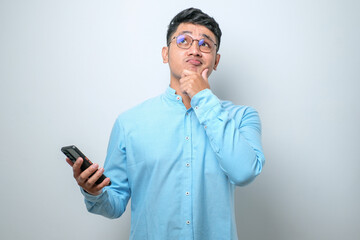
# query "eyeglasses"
(184, 41)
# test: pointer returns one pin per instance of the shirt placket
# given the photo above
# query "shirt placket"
(188, 175)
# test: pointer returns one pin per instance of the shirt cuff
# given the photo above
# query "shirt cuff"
(204, 103)
(91, 198)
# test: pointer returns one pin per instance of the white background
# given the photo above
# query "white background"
(68, 68)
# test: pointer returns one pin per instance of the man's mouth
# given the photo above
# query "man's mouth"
(194, 62)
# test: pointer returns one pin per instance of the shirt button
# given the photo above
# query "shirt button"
(187, 193)
(177, 98)
(187, 222)
(197, 107)
(205, 127)
(188, 164)
(187, 138)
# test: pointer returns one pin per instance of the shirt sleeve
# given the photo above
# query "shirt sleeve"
(112, 201)
(235, 138)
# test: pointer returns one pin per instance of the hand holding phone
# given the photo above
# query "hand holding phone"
(87, 174)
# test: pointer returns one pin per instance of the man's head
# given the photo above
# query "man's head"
(193, 40)
(197, 17)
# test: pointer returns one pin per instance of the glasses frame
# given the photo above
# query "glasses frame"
(192, 40)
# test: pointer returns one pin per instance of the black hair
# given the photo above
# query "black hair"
(195, 16)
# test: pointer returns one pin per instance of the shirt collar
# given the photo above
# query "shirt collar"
(172, 96)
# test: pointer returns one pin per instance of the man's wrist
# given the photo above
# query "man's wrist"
(203, 103)
(90, 196)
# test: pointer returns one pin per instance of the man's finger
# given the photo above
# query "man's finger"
(184, 79)
(76, 167)
(103, 184)
(92, 180)
(84, 176)
(97, 189)
(89, 171)
(204, 74)
(69, 162)
(186, 72)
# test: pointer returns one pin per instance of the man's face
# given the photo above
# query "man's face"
(190, 59)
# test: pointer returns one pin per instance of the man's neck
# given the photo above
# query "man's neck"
(174, 84)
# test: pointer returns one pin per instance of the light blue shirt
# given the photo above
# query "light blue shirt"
(180, 167)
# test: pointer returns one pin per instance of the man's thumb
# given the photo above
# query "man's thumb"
(204, 74)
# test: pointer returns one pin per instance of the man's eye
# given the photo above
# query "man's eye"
(181, 39)
(203, 43)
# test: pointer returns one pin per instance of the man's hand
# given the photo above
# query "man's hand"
(83, 178)
(192, 82)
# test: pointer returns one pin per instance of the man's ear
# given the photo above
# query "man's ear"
(217, 60)
(165, 54)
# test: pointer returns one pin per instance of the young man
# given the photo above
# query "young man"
(180, 155)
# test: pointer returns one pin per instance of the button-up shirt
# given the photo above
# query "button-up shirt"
(180, 166)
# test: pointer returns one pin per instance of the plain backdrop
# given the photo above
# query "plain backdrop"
(69, 68)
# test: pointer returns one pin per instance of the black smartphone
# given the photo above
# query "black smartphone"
(73, 153)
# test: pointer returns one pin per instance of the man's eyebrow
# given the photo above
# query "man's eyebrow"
(204, 35)
(208, 37)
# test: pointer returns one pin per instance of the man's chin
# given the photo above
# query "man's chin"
(194, 68)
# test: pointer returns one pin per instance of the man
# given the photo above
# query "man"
(180, 155)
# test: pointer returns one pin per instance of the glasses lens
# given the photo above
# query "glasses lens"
(183, 41)
(205, 45)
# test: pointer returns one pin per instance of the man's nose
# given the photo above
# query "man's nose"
(195, 48)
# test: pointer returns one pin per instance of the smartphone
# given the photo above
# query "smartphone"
(73, 153)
